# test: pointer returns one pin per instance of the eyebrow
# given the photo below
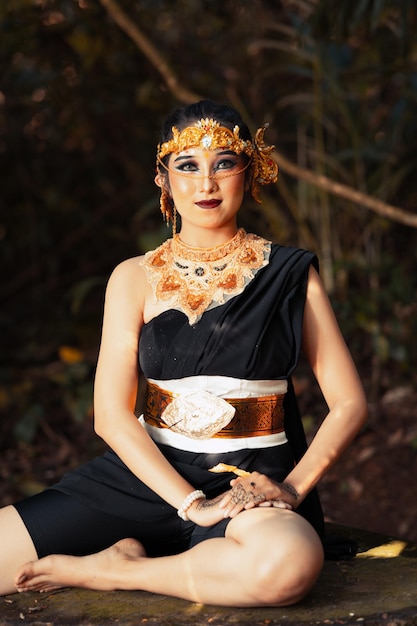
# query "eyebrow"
(192, 156)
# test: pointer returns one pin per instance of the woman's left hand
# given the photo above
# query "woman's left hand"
(255, 490)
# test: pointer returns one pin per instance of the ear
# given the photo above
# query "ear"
(162, 181)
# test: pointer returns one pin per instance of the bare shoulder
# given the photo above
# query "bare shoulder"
(127, 286)
(315, 283)
(128, 273)
(317, 296)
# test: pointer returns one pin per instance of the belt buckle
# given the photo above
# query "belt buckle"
(198, 415)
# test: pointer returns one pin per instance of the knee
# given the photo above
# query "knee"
(287, 575)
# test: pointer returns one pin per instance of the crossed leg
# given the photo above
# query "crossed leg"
(16, 547)
(269, 557)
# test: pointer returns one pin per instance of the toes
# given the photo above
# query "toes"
(36, 585)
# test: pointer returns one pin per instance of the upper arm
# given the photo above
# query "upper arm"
(325, 348)
(117, 369)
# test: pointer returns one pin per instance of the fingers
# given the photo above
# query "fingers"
(240, 498)
(277, 504)
(231, 507)
(255, 490)
(272, 490)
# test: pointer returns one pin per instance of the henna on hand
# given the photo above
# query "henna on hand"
(209, 504)
(239, 495)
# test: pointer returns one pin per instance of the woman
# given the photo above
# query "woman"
(213, 481)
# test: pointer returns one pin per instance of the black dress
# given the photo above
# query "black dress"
(254, 336)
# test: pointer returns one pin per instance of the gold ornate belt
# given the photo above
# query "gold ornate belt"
(253, 417)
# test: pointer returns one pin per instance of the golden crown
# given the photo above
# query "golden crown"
(208, 135)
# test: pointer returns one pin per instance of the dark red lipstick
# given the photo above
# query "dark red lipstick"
(208, 204)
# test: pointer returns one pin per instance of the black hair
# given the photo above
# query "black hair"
(191, 113)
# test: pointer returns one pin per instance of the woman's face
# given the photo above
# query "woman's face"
(207, 186)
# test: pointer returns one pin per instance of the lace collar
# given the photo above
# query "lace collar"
(194, 280)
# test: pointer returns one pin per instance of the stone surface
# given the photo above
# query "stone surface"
(378, 587)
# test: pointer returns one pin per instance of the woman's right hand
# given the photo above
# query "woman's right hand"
(206, 512)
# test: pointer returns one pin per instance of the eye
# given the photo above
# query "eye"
(226, 164)
(187, 166)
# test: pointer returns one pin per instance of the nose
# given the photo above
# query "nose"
(207, 180)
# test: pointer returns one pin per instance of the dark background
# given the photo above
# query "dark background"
(84, 86)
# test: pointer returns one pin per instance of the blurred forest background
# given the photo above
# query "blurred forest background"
(84, 86)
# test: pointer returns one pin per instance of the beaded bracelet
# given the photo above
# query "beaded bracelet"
(192, 497)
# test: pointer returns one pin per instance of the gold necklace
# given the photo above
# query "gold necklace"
(193, 280)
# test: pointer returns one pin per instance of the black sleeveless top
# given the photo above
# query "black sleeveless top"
(256, 335)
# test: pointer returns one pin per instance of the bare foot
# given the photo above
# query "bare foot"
(105, 571)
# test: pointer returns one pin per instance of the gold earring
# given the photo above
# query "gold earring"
(165, 204)
(174, 221)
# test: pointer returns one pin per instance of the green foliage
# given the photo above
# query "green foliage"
(80, 109)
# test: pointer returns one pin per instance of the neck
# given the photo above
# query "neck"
(206, 238)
